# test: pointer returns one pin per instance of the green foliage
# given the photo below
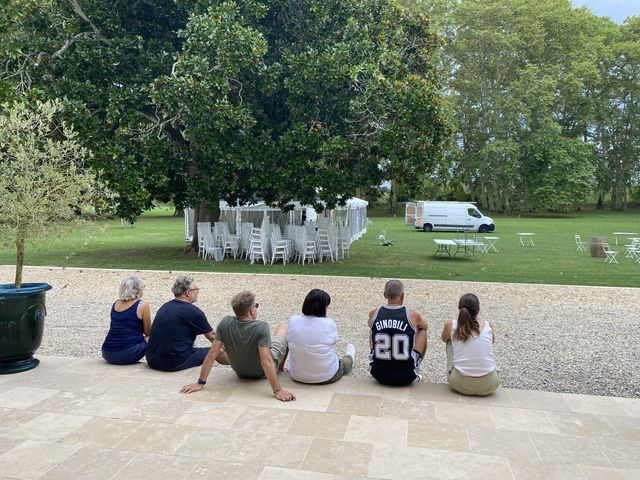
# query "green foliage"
(43, 179)
(192, 101)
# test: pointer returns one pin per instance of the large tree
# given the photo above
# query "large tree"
(616, 94)
(521, 70)
(194, 100)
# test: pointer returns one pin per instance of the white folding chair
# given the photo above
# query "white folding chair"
(580, 244)
(611, 255)
(633, 250)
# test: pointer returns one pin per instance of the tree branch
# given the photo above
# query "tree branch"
(164, 126)
(78, 10)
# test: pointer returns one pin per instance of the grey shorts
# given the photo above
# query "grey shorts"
(278, 349)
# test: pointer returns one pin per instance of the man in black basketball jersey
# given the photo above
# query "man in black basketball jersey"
(398, 339)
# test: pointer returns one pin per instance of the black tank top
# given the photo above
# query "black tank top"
(392, 360)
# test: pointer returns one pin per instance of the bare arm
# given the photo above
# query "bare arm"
(493, 332)
(370, 322)
(145, 313)
(446, 331)
(211, 336)
(269, 369)
(420, 323)
(216, 346)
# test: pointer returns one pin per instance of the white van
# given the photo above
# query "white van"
(452, 216)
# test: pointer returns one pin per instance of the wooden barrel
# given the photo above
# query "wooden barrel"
(596, 246)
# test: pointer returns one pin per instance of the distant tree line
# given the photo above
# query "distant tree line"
(545, 101)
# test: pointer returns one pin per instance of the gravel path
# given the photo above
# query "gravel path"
(548, 337)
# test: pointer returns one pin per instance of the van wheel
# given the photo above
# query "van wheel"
(427, 227)
(483, 229)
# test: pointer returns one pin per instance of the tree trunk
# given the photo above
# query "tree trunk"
(208, 211)
(600, 204)
(19, 260)
(393, 198)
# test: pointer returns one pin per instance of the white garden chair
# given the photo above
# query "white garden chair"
(580, 244)
(633, 250)
(610, 254)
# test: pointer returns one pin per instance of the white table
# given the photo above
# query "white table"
(491, 244)
(526, 238)
(627, 234)
(468, 246)
(444, 246)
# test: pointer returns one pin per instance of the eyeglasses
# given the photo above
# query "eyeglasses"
(194, 290)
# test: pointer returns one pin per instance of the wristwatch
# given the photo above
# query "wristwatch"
(202, 382)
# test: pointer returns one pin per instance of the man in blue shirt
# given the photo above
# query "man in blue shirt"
(175, 328)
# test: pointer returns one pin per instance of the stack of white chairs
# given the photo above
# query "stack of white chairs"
(202, 228)
(210, 248)
(344, 241)
(324, 245)
(217, 233)
(279, 248)
(257, 248)
(230, 244)
(311, 228)
(289, 232)
(305, 247)
(245, 239)
(324, 223)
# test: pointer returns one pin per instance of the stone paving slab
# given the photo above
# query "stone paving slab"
(74, 418)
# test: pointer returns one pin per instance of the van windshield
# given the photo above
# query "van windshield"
(474, 213)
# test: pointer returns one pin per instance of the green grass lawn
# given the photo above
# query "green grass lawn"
(156, 242)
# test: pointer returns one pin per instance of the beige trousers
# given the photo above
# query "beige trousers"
(479, 386)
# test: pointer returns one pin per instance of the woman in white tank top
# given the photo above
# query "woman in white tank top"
(470, 364)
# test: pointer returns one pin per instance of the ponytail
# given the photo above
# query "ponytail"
(468, 307)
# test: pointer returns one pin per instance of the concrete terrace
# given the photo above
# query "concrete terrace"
(75, 418)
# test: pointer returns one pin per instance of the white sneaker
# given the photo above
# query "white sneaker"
(351, 351)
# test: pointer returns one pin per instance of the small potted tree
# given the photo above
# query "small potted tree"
(43, 182)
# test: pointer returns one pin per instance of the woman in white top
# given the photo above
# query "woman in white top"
(470, 364)
(311, 337)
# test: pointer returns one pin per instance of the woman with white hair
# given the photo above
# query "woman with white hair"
(130, 325)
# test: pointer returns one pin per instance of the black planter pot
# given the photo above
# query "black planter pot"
(22, 313)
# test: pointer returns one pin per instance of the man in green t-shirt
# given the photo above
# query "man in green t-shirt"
(251, 350)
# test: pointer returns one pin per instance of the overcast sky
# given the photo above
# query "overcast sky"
(618, 10)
